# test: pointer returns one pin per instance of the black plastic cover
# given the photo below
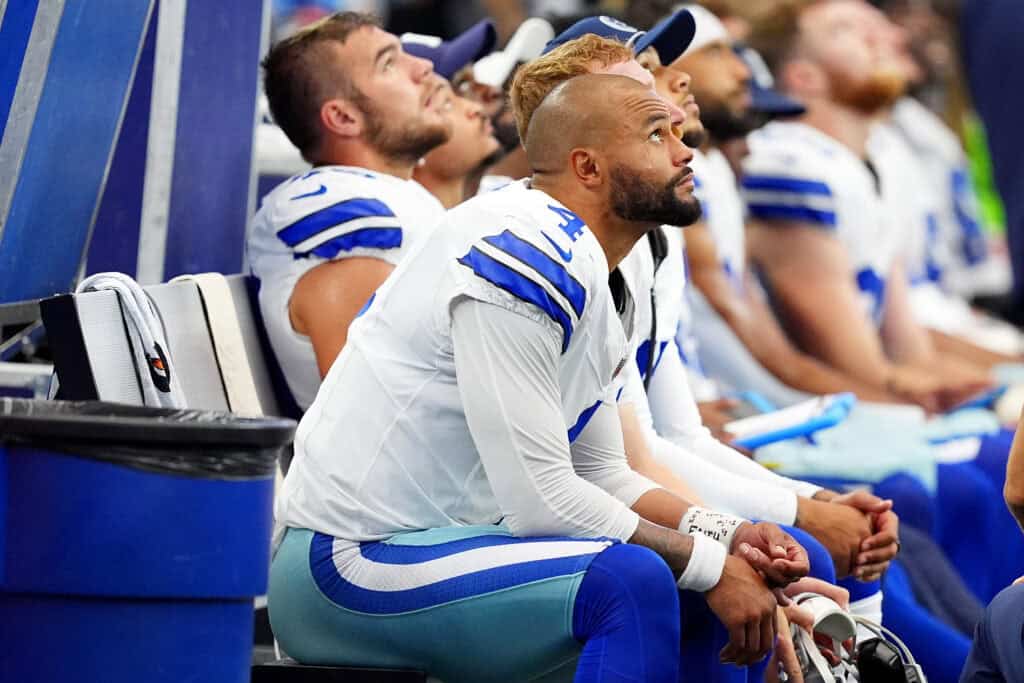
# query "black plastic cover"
(199, 443)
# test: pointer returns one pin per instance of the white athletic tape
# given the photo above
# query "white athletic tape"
(704, 570)
(717, 526)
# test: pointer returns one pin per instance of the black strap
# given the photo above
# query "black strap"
(659, 250)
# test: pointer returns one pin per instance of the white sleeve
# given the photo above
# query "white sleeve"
(719, 488)
(678, 420)
(507, 367)
(598, 455)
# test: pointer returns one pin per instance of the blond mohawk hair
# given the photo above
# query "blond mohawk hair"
(534, 80)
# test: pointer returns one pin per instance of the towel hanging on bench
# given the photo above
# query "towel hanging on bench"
(147, 336)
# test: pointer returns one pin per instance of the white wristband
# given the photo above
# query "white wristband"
(717, 526)
(704, 569)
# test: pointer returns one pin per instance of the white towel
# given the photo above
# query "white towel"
(148, 337)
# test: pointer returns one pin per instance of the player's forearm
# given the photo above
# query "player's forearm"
(815, 377)
(672, 546)
(727, 491)
(768, 343)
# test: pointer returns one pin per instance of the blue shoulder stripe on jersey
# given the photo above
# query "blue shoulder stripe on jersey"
(804, 214)
(369, 238)
(581, 421)
(333, 216)
(783, 184)
(519, 285)
(553, 271)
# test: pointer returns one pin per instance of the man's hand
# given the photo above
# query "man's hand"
(842, 529)
(809, 584)
(878, 549)
(771, 551)
(745, 605)
(932, 393)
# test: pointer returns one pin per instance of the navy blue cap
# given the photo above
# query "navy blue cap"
(450, 56)
(670, 36)
(764, 98)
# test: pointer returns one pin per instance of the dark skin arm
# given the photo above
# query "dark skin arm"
(740, 599)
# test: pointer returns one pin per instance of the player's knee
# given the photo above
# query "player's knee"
(626, 584)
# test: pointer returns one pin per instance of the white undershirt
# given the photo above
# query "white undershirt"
(507, 368)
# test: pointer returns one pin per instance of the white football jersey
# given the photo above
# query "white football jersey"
(328, 213)
(943, 167)
(723, 210)
(386, 447)
(667, 283)
(797, 173)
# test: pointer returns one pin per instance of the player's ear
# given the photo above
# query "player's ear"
(802, 77)
(586, 166)
(342, 118)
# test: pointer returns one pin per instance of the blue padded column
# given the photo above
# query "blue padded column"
(210, 200)
(57, 158)
(115, 237)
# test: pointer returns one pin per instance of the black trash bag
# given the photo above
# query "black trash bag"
(196, 443)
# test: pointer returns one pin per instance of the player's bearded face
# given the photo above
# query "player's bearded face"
(637, 197)
(401, 136)
(879, 89)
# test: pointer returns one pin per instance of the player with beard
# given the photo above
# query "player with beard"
(363, 112)
(820, 230)
(482, 495)
(722, 478)
(447, 170)
(716, 247)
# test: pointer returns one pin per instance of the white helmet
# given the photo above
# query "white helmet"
(883, 659)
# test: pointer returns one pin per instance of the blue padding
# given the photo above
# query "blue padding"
(14, 35)
(334, 216)
(115, 238)
(582, 421)
(125, 641)
(519, 285)
(210, 187)
(89, 528)
(69, 146)
(553, 271)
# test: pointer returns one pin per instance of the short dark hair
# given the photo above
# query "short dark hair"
(298, 77)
